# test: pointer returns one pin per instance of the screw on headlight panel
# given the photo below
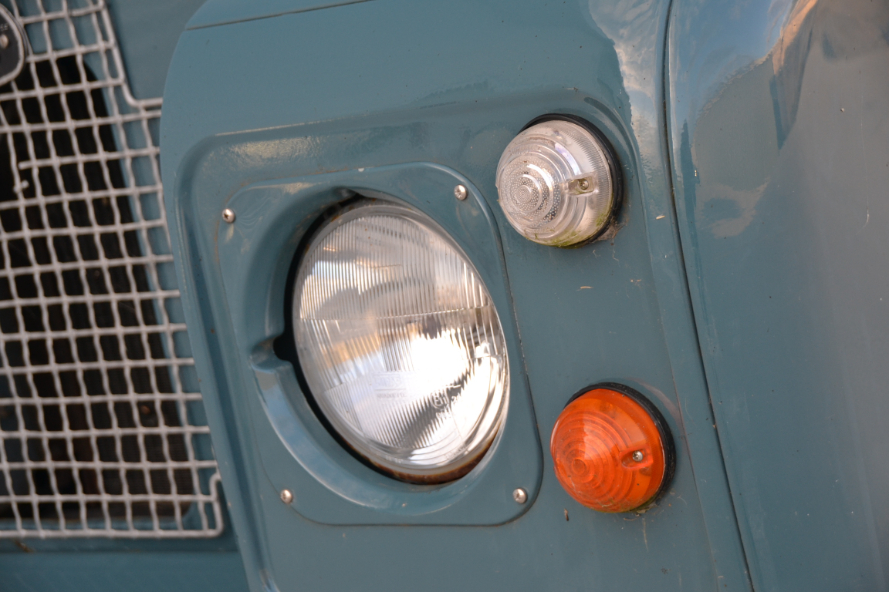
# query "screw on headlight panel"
(460, 192)
(228, 215)
(286, 496)
(638, 456)
(520, 496)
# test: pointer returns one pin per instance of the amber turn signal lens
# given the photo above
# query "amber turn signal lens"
(612, 451)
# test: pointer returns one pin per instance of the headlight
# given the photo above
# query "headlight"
(400, 343)
(556, 184)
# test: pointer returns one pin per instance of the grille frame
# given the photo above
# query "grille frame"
(128, 375)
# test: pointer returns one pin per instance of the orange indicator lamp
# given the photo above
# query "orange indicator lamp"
(612, 449)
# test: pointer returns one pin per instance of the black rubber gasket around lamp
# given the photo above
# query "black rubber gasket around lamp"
(610, 158)
(659, 421)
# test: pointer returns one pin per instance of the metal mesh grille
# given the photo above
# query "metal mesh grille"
(101, 422)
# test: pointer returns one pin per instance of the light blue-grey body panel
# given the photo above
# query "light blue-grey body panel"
(779, 120)
(82, 570)
(373, 84)
(147, 33)
(223, 12)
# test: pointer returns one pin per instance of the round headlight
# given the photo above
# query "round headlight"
(556, 184)
(400, 343)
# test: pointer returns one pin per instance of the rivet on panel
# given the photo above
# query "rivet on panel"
(520, 496)
(286, 496)
(228, 215)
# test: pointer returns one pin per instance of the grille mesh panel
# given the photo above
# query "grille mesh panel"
(101, 422)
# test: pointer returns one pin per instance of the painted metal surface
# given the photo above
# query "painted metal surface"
(779, 117)
(296, 451)
(451, 85)
(221, 12)
(116, 571)
(147, 33)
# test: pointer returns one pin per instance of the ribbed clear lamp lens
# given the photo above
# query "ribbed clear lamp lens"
(400, 343)
(555, 184)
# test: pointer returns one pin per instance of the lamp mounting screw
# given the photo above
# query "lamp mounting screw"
(460, 192)
(638, 456)
(228, 215)
(520, 496)
(286, 496)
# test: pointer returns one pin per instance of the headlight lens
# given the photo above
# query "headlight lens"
(400, 343)
(555, 184)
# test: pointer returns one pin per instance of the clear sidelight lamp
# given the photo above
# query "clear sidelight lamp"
(400, 343)
(557, 184)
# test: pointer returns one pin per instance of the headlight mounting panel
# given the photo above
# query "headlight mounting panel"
(297, 453)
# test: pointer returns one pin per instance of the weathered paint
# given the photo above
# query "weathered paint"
(779, 121)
